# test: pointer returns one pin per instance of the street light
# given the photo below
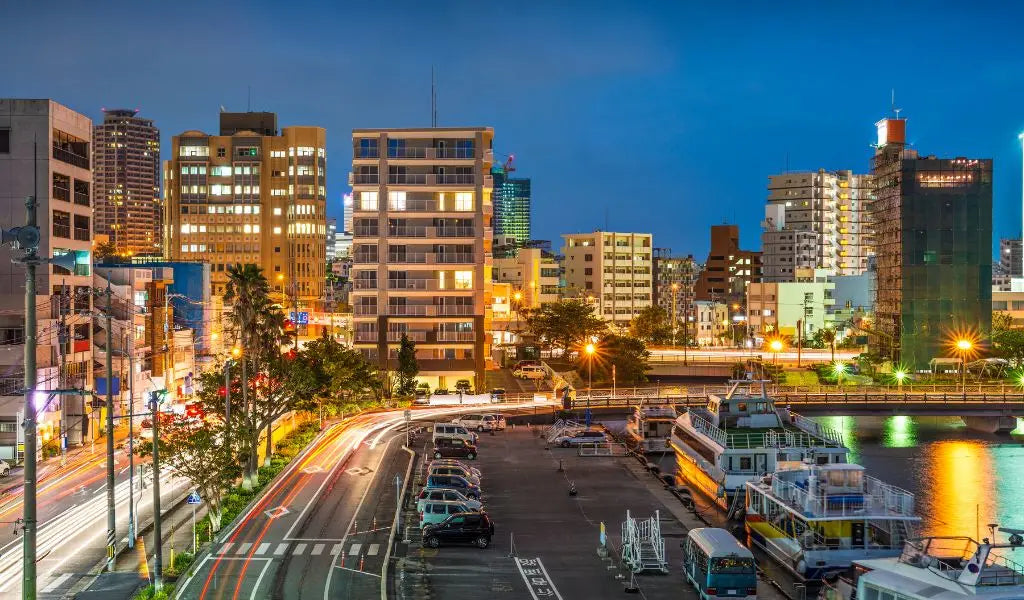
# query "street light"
(964, 345)
(236, 352)
(839, 368)
(900, 376)
(675, 288)
(776, 347)
(590, 349)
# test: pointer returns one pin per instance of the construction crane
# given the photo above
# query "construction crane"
(508, 166)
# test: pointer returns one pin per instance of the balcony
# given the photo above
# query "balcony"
(431, 179)
(416, 336)
(363, 178)
(429, 310)
(364, 284)
(366, 336)
(412, 284)
(431, 232)
(456, 336)
(365, 310)
(431, 258)
(366, 259)
(366, 232)
(367, 152)
(82, 234)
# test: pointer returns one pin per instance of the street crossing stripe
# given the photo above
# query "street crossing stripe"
(224, 548)
(242, 549)
(281, 548)
(56, 583)
(263, 548)
(372, 550)
(336, 550)
(354, 549)
(300, 549)
(317, 549)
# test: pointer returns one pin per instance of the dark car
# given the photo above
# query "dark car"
(463, 386)
(454, 448)
(498, 395)
(475, 528)
(468, 489)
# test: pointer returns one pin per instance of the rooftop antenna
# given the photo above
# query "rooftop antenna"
(896, 111)
(248, 100)
(433, 98)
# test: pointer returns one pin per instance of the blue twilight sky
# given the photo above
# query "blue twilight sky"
(666, 117)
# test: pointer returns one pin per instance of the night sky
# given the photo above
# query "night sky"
(666, 117)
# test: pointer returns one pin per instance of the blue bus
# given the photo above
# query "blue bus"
(718, 565)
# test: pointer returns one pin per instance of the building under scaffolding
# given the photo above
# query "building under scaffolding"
(933, 240)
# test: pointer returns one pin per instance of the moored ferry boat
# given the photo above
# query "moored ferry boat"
(648, 428)
(815, 520)
(742, 436)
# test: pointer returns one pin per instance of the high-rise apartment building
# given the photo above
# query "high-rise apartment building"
(933, 240)
(422, 247)
(674, 280)
(511, 208)
(332, 246)
(45, 152)
(126, 182)
(346, 207)
(728, 269)
(612, 270)
(251, 195)
(832, 209)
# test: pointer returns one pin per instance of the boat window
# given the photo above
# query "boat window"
(821, 460)
(732, 564)
(836, 479)
(742, 407)
(746, 463)
(855, 479)
(870, 593)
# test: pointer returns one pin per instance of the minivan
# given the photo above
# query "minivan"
(477, 422)
(435, 511)
(453, 470)
(530, 372)
(455, 482)
(453, 431)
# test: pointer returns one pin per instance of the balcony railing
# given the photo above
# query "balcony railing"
(429, 310)
(430, 179)
(62, 231)
(463, 153)
(365, 178)
(82, 199)
(431, 258)
(412, 284)
(428, 232)
(366, 259)
(366, 232)
(70, 157)
(456, 336)
(82, 234)
(415, 336)
(407, 178)
(367, 152)
(366, 336)
(455, 310)
(364, 284)
(455, 231)
(364, 309)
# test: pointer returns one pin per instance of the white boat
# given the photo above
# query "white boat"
(649, 427)
(940, 568)
(815, 520)
(741, 437)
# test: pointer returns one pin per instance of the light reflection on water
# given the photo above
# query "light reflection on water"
(963, 480)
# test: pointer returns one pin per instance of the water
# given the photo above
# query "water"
(962, 480)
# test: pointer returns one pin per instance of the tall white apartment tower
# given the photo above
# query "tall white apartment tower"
(612, 270)
(422, 248)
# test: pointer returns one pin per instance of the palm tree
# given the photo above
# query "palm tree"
(828, 335)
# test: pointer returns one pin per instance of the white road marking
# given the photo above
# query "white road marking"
(317, 549)
(243, 548)
(336, 550)
(281, 549)
(256, 587)
(372, 550)
(354, 549)
(56, 583)
(224, 549)
(263, 548)
(299, 549)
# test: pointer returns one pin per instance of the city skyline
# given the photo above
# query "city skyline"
(694, 86)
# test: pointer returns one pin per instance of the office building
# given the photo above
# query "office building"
(785, 309)
(1008, 266)
(533, 276)
(346, 207)
(331, 250)
(422, 248)
(675, 278)
(728, 269)
(343, 244)
(251, 195)
(45, 152)
(511, 209)
(933, 243)
(126, 182)
(831, 209)
(612, 270)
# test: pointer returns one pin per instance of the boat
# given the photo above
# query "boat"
(742, 436)
(939, 568)
(649, 427)
(816, 520)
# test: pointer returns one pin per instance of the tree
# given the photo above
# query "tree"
(344, 376)
(652, 325)
(1009, 344)
(827, 337)
(1001, 321)
(105, 251)
(408, 368)
(564, 324)
(627, 354)
(198, 451)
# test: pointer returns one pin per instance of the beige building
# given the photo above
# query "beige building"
(817, 219)
(533, 277)
(1011, 303)
(613, 270)
(45, 151)
(251, 195)
(422, 244)
(709, 325)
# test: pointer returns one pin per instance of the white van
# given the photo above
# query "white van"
(530, 372)
(453, 431)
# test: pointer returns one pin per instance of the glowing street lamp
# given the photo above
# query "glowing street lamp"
(839, 368)
(776, 347)
(236, 352)
(590, 349)
(899, 376)
(963, 346)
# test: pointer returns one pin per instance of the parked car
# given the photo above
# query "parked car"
(452, 461)
(435, 512)
(441, 392)
(463, 528)
(477, 422)
(530, 372)
(443, 494)
(422, 391)
(527, 363)
(454, 470)
(498, 395)
(585, 436)
(453, 431)
(463, 386)
(499, 422)
(454, 482)
(449, 447)
(5, 469)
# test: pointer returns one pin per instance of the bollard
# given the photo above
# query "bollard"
(342, 558)
(361, 562)
(374, 527)
(560, 468)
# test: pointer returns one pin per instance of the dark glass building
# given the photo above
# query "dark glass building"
(511, 198)
(933, 244)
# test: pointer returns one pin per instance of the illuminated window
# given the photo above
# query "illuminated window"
(255, 228)
(368, 200)
(256, 209)
(277, 231)
(247, 228)
(304, 170)
(463, 201)
(220, 171)
(304, 151)
(194, 151)
(277, 211)
(184, 247)
(463, 280)
(396, 200)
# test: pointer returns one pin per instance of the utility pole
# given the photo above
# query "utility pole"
(227, 405)
(111, 521)
(131, 444)
(30, 243)
(799, 340)
(158, 567)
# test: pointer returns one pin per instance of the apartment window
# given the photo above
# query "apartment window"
(5, 141)
(396, 200)
(220, 171)
(588, 258)
(194, 151)
(61, 224)
(221, 152)
(277, 231)
(588, 271)
(70, 149)
(368, 200)
(463, 280)
(368, 148)
(277, 211)
(463, 201)
(61, 187)
(82, 197)
(83, 232)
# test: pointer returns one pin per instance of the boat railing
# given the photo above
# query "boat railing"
(705, 427)
(814, 428)
(878, 499)
(946, 555)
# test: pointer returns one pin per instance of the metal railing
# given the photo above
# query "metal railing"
(456, 336)
(416, 336)
(877, 499)
(412, 284)
(364, 284)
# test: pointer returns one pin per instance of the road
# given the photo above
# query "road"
(321, 529)
(72, 512)
(729, 354)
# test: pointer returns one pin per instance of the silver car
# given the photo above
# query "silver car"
(445, 495)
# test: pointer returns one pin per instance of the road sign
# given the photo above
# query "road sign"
(193, 498)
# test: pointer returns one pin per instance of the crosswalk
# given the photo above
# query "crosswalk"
(272, 549)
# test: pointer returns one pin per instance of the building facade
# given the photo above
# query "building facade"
(533, 274)
(126, 182)
(933, 239)
(251, 195)
(675, 279)
(421, 248)
(785, 309)
(612, 270)
(45, 152)
(709, 324)
(1009, 265)
(511, 208)
(331, 250)
(728, 269)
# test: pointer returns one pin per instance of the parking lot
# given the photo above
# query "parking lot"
(546, 541)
